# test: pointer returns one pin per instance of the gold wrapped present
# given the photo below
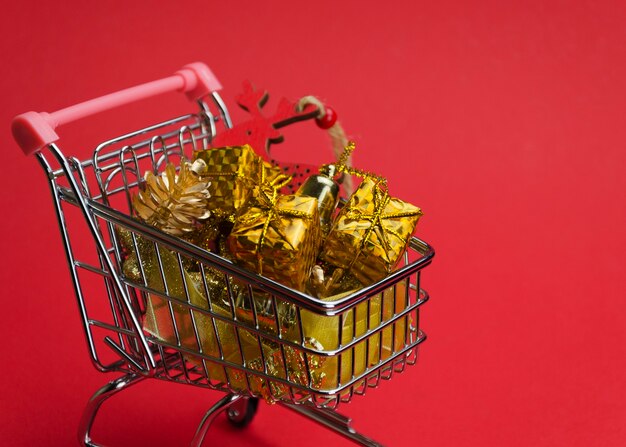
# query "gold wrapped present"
(165, 319)
(277, 236)
(339, 369)
(320, 333)
(173, 323)
(371, 232)
(233, 172)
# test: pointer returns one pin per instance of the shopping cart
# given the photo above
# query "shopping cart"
(96, 193)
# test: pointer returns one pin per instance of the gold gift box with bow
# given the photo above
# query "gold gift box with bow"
(370, 233)
(277, 236)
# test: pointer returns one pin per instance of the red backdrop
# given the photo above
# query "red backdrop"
(504, 121)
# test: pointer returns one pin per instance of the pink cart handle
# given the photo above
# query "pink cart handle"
(33, 131)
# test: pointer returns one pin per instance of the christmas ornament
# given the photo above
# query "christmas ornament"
(174, 202)
(326, 191)
(261, 131)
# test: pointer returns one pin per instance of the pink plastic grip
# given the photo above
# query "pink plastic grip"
(32, 131)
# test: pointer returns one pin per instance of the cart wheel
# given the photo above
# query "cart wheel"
(242, 412)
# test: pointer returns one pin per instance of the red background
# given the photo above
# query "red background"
(504, 121)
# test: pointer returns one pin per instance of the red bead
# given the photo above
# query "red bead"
(328, 120)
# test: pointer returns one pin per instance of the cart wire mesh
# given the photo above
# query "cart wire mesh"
(270, 350)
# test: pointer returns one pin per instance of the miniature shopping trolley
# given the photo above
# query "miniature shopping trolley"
(96, 194)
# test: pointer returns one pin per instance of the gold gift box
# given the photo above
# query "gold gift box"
(277, 236)
(370, 233)
(233, 171)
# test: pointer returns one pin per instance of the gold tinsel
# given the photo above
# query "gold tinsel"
(174, 202)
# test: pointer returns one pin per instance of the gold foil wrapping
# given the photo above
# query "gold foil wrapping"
(371, 233)
(173, 322)
(277, 236)
(165, 319)
(334, 332)
(326, 191)
(233, 171)
(321, 333)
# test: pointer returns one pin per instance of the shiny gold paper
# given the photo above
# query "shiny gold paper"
(277, 236)
(220, 339)
(371, 232)
(233, 172)
(326, 191)
(174, 324)
(257, 352)
(321, 333)
(336, 370)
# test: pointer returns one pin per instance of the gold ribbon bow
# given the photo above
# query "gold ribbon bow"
(341, 166)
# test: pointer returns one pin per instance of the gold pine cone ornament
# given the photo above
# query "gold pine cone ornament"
(174, 201)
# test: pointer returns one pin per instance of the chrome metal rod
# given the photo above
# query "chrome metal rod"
(209, 417)
(334, 421)
(96, 401)
(91, 223)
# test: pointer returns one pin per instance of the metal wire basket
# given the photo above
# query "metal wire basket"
(377, 328)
